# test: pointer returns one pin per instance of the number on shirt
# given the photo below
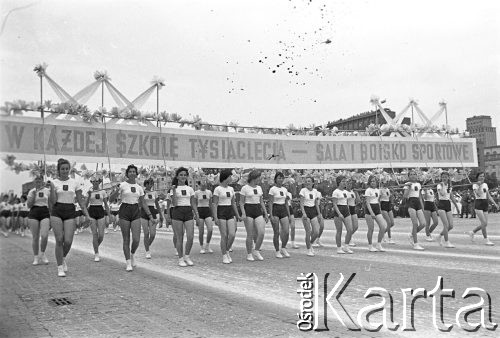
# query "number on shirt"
(40, 194)
(228, 194)
(97, 196)
(204, 197)
(132, 189)
(183, 192)
(255, 191)
(281, 193)
(65, 187)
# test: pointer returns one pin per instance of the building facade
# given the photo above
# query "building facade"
(492, 161)
(363, 120)
(480, 128)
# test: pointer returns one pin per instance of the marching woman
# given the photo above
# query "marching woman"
(39, 219)
(352, 199)
(386, 209)
(482, 195)
(184, 205)
(63, 191)
(254, 214)
(310, 213)
(97, 204)
(321, 222)
(342, 216)
(292, 216)
(5, 212)
(23, 214)
(224, 210)
(415, 206)
(372, 195)
(114, 208)
(444, 208)
(430, 212)
(131, 195)
(204, 199)
(149, 227)
(280, 214)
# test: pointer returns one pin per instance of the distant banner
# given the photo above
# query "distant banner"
(143, 144)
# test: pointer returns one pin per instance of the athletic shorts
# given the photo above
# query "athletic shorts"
(279, 210)
(430, 206)
(152, 210)
(204, 212)
(96, 211)
(344, 210)
(129, 212)
(64, 211)
(39, 213)
(352, 210)
(253, 210)
(5, 213)
(182, 213)
(481, 205)
(444, 205)
(311, 212)
(225, 212)
(414, 203)
(385, 206)
(23, 213)
(375, 208)
(78, 213)
(114, 212)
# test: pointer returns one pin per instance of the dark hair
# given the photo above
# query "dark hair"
(149, 181)
(278, 174)
(61, 162)
(224, 174)
(339, 179)
(312, 179)
(370, 179)
(254, 174)
(23, 197)
(175, 180)
(479, 173)
(131, 166)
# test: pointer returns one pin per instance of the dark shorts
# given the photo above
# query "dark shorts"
(225, 212)
(78, 213)
(182, 213)
(114, 212)
(279, 210)
(344, 210)
(481, 205)
(152, 210)
(204, 212)
(385, 206)
(430, 206)
(311, 212)
(39, 213)
(96, 211)
(5, 213)
(23, 213)
(129, 212)
(444, 205)
(352, 210)
(375, 208)
(253, 210)
(64, 211)
(414, 203)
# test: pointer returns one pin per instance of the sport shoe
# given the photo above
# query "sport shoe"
(448, 245)
(319, 243)
(278, 254)
(429, 238)
(371, 248)
(44, 258)
(35, 260)
(229, 257)
(471, 235)
(379, 247)
(225, 260)
(384, 240)
(60, 271)
(188, 260)
(148, 255)
(64, 265)
(250, 258)
(182, 262)
(410, 239)
(340, 251)
(417, 246)
(257, 255)
(97, 258)
(351, 243)
(106, 231)
(230, 249)
(285, 253)
(488, 242)
(129, 265)
(132, 260)
(295, 245)
(22, 233)
(208, 249)
(391, 241)
(347, 249)
(5, 233)
(310, 252)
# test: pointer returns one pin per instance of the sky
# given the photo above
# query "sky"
(217, 57)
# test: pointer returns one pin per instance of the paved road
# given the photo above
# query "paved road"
(242, 299)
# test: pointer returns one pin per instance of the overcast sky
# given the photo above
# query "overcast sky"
(217, 57)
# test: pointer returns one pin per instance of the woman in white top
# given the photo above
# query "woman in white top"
(352, 200)
(482, 194)
(292, 217)
(280, 214)
(309, 205)
(5, 212)
(184, 205)
(63, 192)
(372, 195)
(321, 221)
(444, 190)
(149, 227)
(386, 209)
(22, 212)
(430, 212)
(114, 208)
(131, 195)
(415, 206)
(39, 219)
(97, 204)
(204, 203)
(254, 214)
(342, 216)
(224, 210)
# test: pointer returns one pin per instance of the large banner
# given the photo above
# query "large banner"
(143, 144)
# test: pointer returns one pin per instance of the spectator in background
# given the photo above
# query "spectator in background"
(466, 200)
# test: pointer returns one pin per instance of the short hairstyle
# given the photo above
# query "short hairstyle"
(278, 174)
(224, 174)
(131, 166)
(254, 174)
(175, 180)
(339, 179)
(61, 162)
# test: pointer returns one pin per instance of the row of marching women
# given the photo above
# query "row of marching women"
(51, 204)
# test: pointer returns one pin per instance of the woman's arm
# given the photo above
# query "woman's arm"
(316, 204)
(235, 209)
(144, 206)
(242, 205)
(194, 206)
(336, 207)
(369, 207)
(302, 199)
(157, 204)
(214, 205)
(264, 210)
(271, 201)
(81, 201)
